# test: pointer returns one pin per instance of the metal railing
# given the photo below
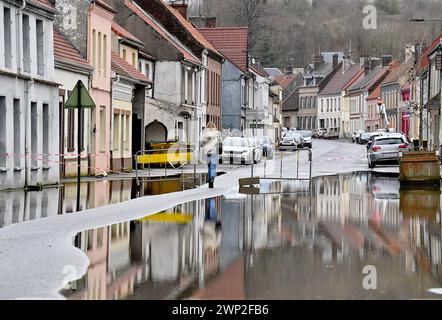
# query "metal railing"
(281, 169)
(166, 157)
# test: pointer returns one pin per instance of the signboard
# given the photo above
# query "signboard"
(257, 115)
(79, 98)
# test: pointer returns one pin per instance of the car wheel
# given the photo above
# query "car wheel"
(371, 165)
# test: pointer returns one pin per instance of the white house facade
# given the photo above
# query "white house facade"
(28, 96)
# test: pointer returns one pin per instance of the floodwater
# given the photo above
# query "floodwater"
(288, 242)
(19, 206)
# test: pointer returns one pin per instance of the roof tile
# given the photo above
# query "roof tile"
(231, 42)
(119, 30)
(122, 67)
(162, 32)
(65, 51)
(339, 80)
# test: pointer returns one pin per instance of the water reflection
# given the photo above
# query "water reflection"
(292, 245)
(19, 206)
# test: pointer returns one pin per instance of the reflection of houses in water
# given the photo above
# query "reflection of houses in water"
(95, 244)
(20, 206)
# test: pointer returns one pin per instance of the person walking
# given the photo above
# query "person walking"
(210, 146)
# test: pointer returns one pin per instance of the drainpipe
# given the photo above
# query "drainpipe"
(29, 83)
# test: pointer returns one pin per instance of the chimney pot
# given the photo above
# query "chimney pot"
(335, 60)
(386, 60)
(181, 8)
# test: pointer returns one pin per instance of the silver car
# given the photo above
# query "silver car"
(306, 139)
(387, 148)
(291, 141)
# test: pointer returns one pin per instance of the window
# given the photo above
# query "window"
(103, 129)
(45, 132)
(128, 133)
(3, 132)
(104, 55)
(116, 131)
(134, 59)
(328, 105)
(71, 130)
(34, 133)
(81, 121)
(40, 48)
(17, 133)
(99, 53)
(124, 54)
(26, 45)
(7, 38)
(322, 105)
(94, 48)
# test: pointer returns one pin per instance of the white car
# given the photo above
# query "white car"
(291, 141)
(238, 151)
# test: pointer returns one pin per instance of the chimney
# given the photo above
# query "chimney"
(181, 7)
(335, 60)
(374, 62)
(367, 66)
(203, 22)
(211, 22)
(318, 59)
(346, 63)
(362, 60)
(386, 60)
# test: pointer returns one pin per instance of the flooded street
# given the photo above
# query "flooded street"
(288, 242)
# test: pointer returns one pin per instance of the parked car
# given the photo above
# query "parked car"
(364, 137)
(332, 134)
(266, 144)
(373, 136)
(291, 141)
(307, 139)
(237, 150)
(319, 133)
(387, 148)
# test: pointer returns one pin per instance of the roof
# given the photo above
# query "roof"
(45, 4)
(64, 51)
(123, 68)
(358, 76)
(396, 72)
(286, 81)
(193, 31)
(339, 80)
(231, 42)
(324, 68)
(376, 93)
(369, 79)
(120, 31)
(274, 72)
(187, 54)
(259, 70)
(425, 62)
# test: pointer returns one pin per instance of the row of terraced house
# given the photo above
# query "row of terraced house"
(336, 94)
(153, 74)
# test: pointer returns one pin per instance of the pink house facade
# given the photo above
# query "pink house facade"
(99, 56)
